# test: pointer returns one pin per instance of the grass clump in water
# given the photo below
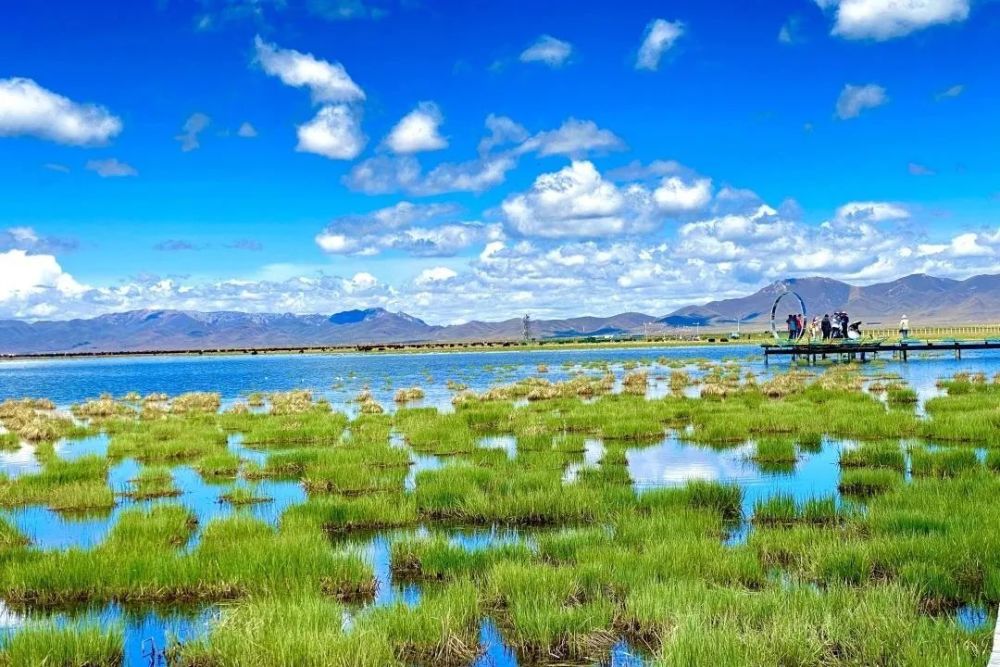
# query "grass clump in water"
(945, 462)
(9, 442)
(242, 495)
(887, 455)
(312, 428)
(236, 557)
(408, 395)
(726, 499)
(772, 452)
(305, 631)
(196, 402)
(152, 482)
(222, 465)
(867, 482)
(171, 439)
(783, 510)
(65, 486)
(64, 645)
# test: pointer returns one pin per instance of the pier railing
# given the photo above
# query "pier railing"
(964, 331)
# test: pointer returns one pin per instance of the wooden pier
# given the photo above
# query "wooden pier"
(865, 349)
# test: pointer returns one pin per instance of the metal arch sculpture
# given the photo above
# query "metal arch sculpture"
(774, 309)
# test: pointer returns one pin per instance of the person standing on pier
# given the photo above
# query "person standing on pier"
(826, 326)
(904, 327)
(845, 322)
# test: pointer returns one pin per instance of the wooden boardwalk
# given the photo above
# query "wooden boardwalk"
(865, 349)
(995, 657)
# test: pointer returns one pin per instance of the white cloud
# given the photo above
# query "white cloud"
(335, 132)
(660, 36)
(503, 131)
(384, 174)
(327, 82)
(111, 168)
(577, 202)
(855, 99)
(950, 92)
(427, 230)
(246, 131)
(871, 211)
(573, 138)
(361, 281)
(885, 19)
(547, 50)
(24, 275)
(418, 131)
(437, 274)
(26, 238)
(716, 257)
(193, 126)
(674, 195)
(28, 109)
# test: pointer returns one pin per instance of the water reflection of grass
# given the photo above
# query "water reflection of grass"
(866, 577)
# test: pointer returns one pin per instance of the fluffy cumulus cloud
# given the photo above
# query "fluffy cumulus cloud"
(549, 51)
(28, 109)
(335, 132)
(326, 81)
(578, 201)
(418, 131)
(434, 276)
(855, 99)
(30, 284)
(887, 19)
(426, 230)
(660, 36)
(674, 195)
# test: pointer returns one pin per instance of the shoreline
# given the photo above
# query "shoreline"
(708, 339)
(393, 348)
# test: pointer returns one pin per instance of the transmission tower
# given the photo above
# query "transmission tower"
(526, 328)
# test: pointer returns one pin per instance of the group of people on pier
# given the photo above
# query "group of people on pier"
(837, 327)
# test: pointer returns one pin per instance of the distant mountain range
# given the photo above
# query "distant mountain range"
(926, 299)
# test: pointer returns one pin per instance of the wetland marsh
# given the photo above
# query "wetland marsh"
(627, 507)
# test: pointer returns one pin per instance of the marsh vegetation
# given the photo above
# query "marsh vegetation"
(867, 569)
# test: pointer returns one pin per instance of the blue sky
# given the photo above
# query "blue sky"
(463, 160)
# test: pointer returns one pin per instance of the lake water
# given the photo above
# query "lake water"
(339, 378)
